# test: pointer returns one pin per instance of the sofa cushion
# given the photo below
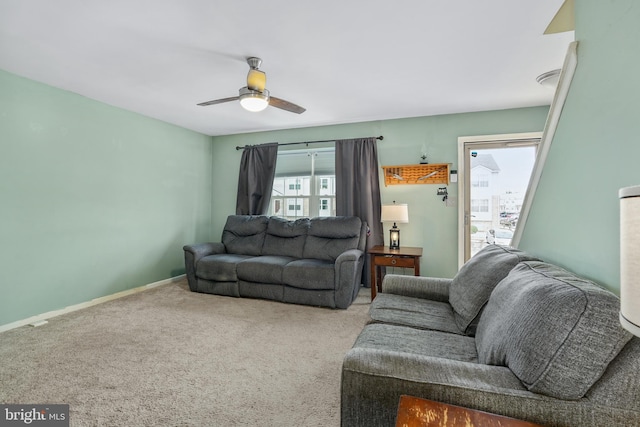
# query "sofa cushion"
(472, 285)
(416, 341)
(219, 267)
(556, 332)
(329, 237)
(415, 312)
(285, 237)
(244, 234)
(310, 274)
(263, 269)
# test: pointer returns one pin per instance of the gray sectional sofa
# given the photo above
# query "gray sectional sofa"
(312, 261)
(509, 335)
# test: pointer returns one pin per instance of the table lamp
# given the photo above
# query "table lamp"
(395, 213)
(630, 259)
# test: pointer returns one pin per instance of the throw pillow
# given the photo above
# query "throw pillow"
(472, 286)
(556, 332)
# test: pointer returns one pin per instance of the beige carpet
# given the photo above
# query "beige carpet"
(171, 357)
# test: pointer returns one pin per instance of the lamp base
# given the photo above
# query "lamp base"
(394, 237)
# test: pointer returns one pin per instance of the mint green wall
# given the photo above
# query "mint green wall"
(96, 200)
(574, 219)
(93, 199)
(432, 225)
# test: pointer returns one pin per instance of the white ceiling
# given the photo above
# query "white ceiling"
(343, 60)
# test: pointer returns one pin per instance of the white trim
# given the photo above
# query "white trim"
(564, 83)
(39, 318)
(463, 141)
(629, 326)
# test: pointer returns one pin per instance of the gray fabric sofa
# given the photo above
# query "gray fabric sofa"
(312, 261)
(509, 335)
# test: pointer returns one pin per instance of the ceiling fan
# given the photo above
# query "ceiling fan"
(254, 96)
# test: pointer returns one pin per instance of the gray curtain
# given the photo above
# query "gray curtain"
(358, 188)
(255, 181)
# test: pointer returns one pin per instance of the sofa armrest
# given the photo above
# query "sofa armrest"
(432, 288)
(348, 276)
(350, 256)
(373, 381)
(193, 253)
(200, 250)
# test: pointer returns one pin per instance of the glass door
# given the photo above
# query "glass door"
(494, 182)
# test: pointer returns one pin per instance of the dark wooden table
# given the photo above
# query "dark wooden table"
(382, 256)
(417, 412)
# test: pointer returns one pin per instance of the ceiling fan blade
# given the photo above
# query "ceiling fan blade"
(219, 101)
(286, 105)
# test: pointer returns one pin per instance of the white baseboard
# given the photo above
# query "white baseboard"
(40, 318)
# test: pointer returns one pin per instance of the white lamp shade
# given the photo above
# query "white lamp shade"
(630, 259)
(395, 213)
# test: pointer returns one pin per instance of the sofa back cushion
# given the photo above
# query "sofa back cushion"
(472, 285)
(285, 238)
(328, 237)
(244, 234)
(556, 332)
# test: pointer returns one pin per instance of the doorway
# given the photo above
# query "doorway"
(493, 180)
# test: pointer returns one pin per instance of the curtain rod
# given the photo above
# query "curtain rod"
(305, 142)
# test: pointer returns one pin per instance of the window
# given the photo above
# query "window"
(304, 185)
(294, 206)
(479, 180)
(479, 205)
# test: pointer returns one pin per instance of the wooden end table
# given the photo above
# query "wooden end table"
(382, 256)
(417, 412)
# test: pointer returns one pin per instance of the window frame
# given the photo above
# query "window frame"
(316, 190)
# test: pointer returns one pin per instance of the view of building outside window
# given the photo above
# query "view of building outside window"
(499, 179)
(304, 185)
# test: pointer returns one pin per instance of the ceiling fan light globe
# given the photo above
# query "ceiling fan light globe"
(254, 101)
(253, 104)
